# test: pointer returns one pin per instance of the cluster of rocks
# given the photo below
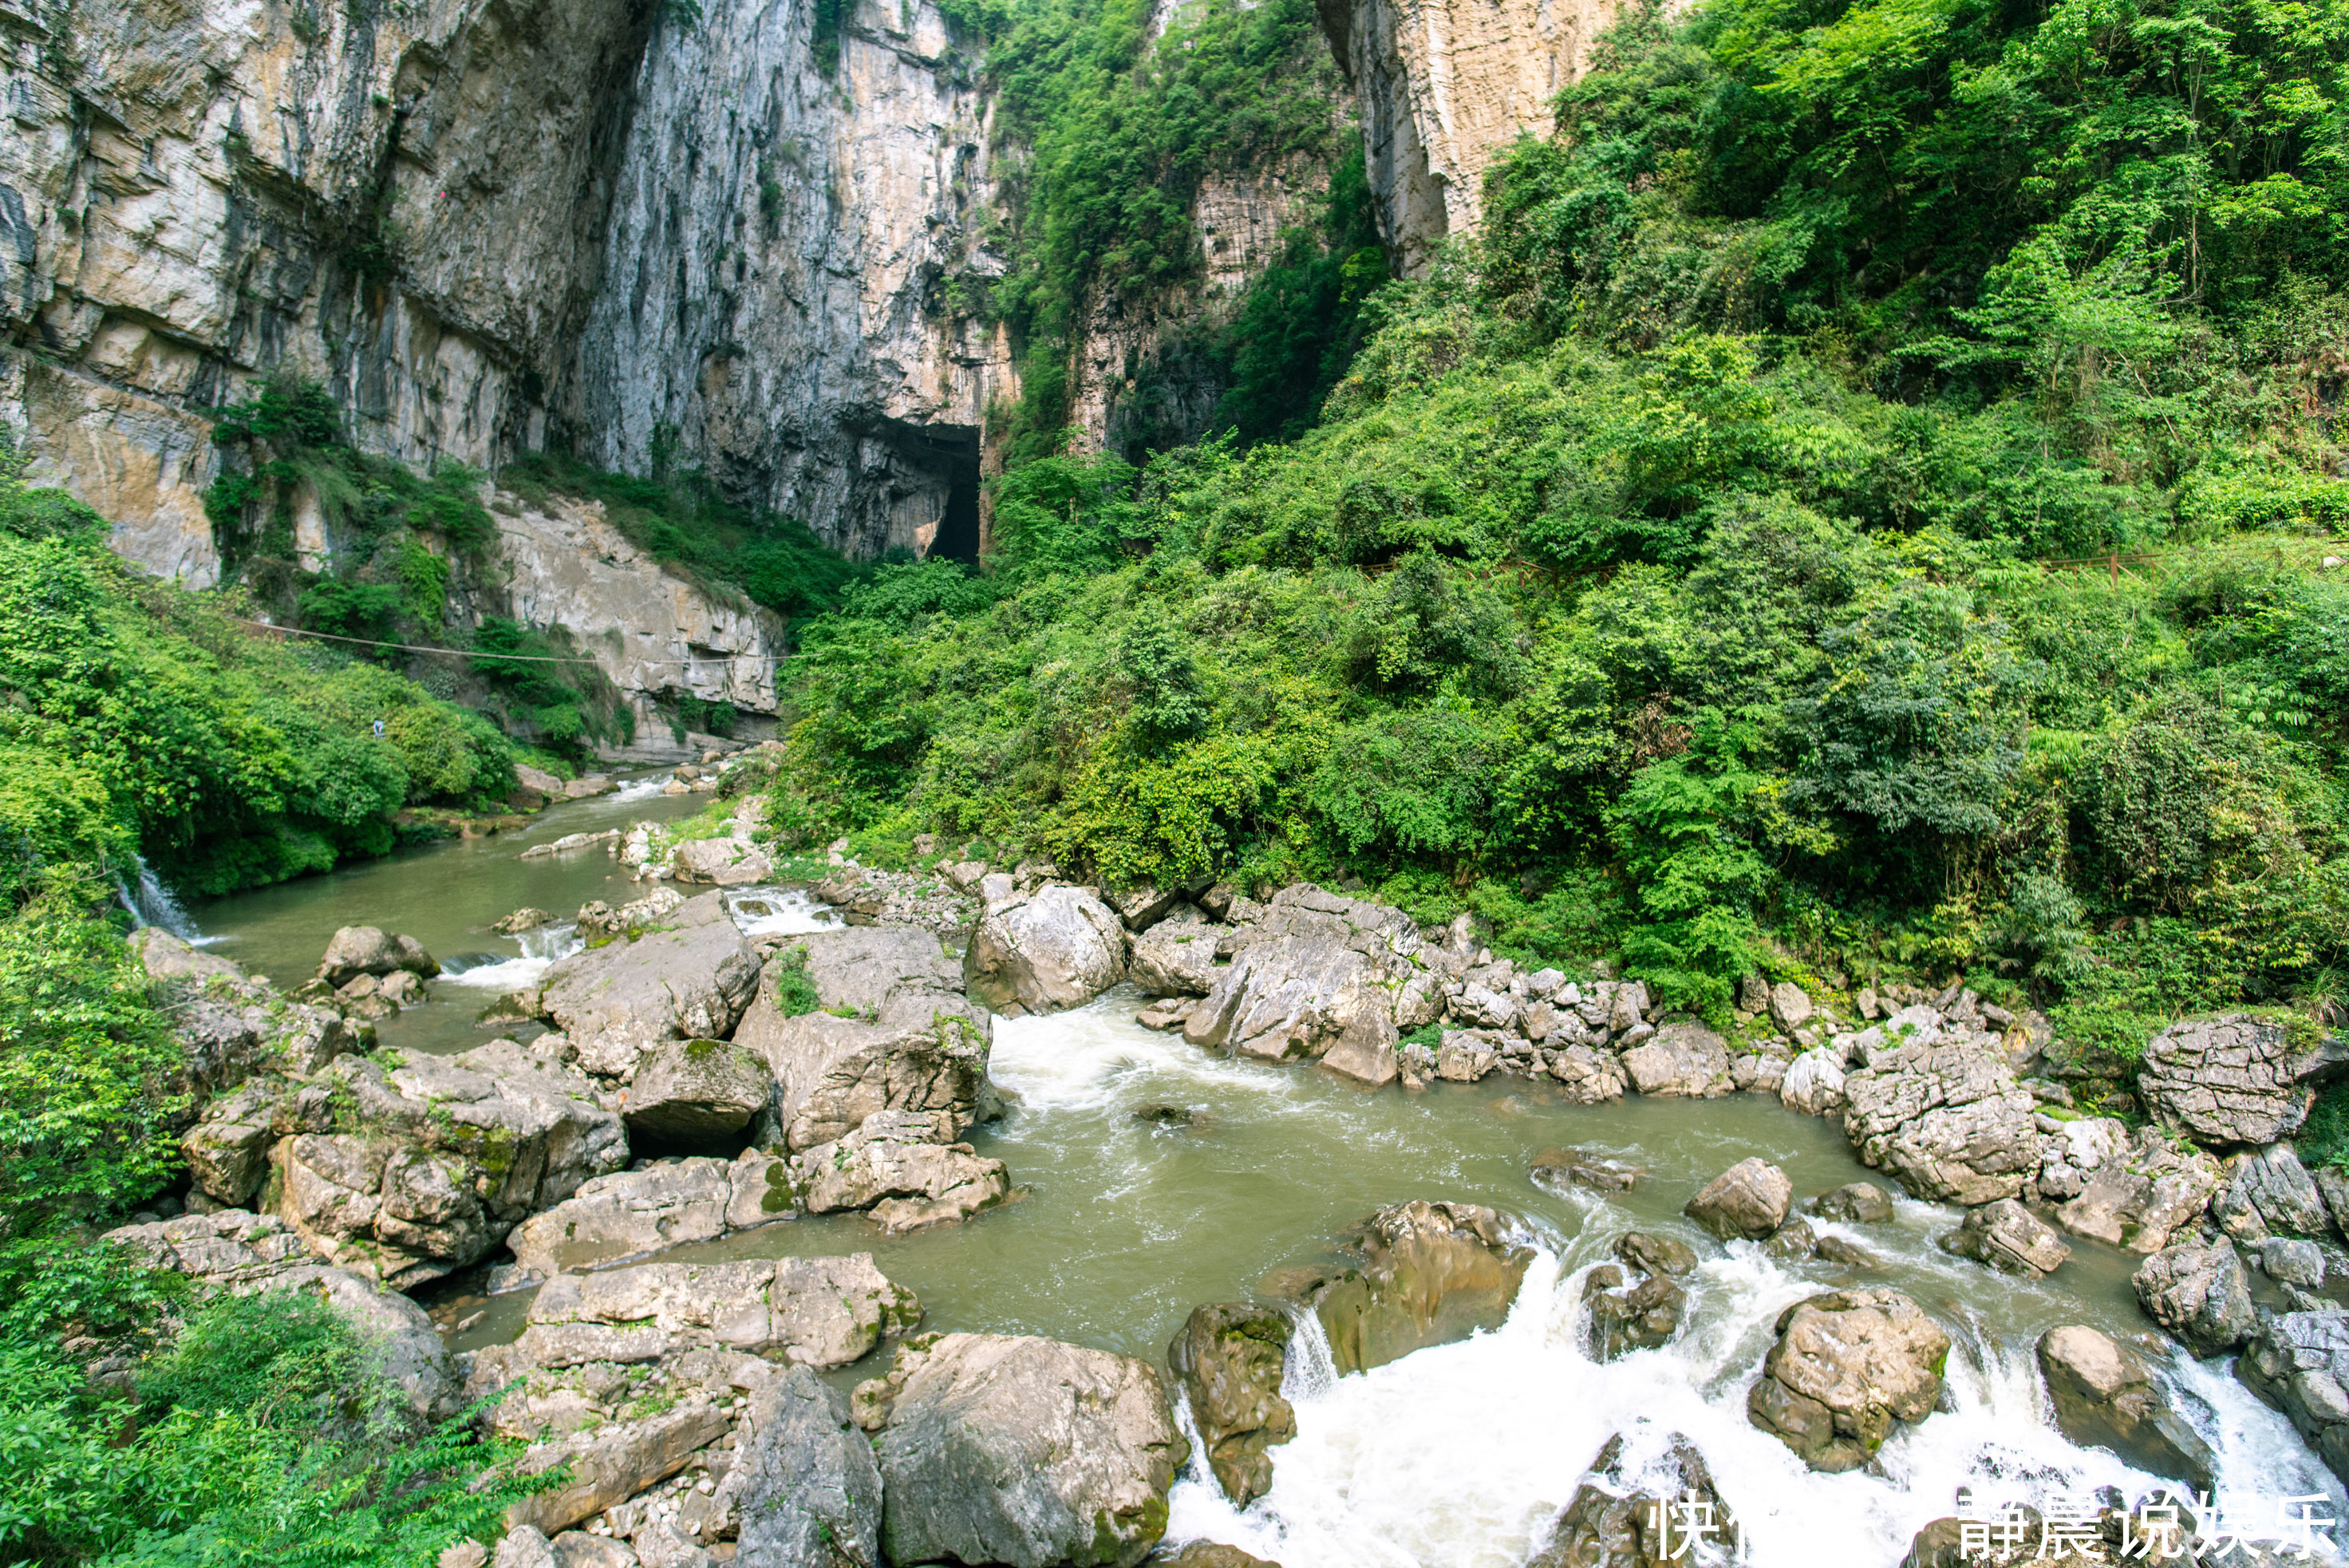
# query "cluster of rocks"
(368, 973)
(535, 787)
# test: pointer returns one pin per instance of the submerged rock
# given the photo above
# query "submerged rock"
(1213, 1554)
(2008, 1238)
(691, 982)
(2237, 1078)
(1558, 1169)
(1613, 1523)
(1855, 1203)
(804, 1482)
(1432, 1273)
(2104, 1398)
(1847, 1367)
(1015, 1450)
(1059, 947)
(1749, 1200)
(1623, 1317)
(1229, 1362)
(2199, 1294)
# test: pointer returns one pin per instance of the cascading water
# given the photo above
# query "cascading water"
(149, 903)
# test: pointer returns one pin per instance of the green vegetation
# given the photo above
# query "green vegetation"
(1688, 570)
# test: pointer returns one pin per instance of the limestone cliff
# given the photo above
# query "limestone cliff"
(397, 198)
(1444, 84)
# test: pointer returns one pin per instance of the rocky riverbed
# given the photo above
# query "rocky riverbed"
(1277, 1223)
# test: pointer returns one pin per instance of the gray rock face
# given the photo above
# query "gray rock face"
(806, 1485)
(1176, 956)
(1590, 1077)
(230, 1248)
(817, 1311)
(1946, 1119)
(1059, 947)
(2008, 1238)
(724, 862)
(1641, 1311)
(2291, 1262)
(691, 981)
(830, 1074)
(1749, 1200)
(629, 1212)
(1024, 1452)
(2143, 1197)
(2199, 1294)
(2106, 1397)
(1686, 1060)
(424, 1168)
(1813, 1083)
(893, 1165)
(1847, 1367)
(2273, 1185)
(1313, 970)
(1858, 1202)
(694, 1091)
(1613, 1524)
(2237, 1078)
(1790, 1006)
(1431, 1274)
(611, 1462)
(2299, 1363)
(1229, 1362)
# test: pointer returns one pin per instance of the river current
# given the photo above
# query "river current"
(1455, 1457)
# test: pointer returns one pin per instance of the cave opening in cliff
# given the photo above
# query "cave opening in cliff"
(946, 460)
(957, 537)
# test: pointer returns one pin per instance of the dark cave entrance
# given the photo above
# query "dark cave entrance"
(943, 458)
(957, 537)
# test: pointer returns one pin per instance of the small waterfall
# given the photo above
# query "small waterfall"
(150, 903)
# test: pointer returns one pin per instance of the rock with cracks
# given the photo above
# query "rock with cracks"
(1685, 1060)
(2299, 1363)
(1229, 1362)
(2238, 1078)
(1613, 1522)
(661, 1206)
(1749, 1200)
(893, 1165)
(1023, 1452)
(689, 981)
(2008, 1238)
(1946, 1117)
(1316, 970)
(694, 1092)
(2201, 1295)
(1177, 957)
(819, 1312)
(1845, 1368)
(2142, 1197)
(2106, 1397)
(804, 1482)
(1057, 948)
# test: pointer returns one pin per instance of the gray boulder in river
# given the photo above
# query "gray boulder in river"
(1609, 1523)
(2201, 1295)
(1847, 1367)
(2008, 1238)
(1020, 1452)
(1944, 1115)
(663, 1205)
(2140, 1197)
(2299, 1363)
(1057, 947)
(2237, 1078)
(689, 981)
(1431, 1274)
(2106, 1397)
(354, 951)
(1177, 957)
(1312, 973)
(1749, 1200)
(804, 1483)
(1687, 1060)
(1228, 1361)
(897, 1165)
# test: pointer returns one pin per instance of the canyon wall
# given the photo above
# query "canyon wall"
(1444, 86)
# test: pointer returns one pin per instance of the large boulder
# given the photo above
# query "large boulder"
(1687, 1060)
(1314, 969)
(1058, 947)
(354, 951)
(2010, 1239)
(818, 1312)
(229, 1249)
(1847, 1367)
(828, 1073)
(2201, 1295)
(695, 1092)
(1945, 1116)
(1637, 1311)
(1813, 1083)
(804, 1483)
(897, 1165)
(724, 862)
(1023, 1452)
(2143, 1196)
(1620, 1518)
(1855, 1202)
(1431, 1274)
(2299, 1363)
(2106, 1397)
(1229, 1362)
(690, 980)
(1590, 1077)
(1749, 1200)
(426, 1167)
(2239, 1079)
(667, 1205)
(2270, 1193)
(1177, 957)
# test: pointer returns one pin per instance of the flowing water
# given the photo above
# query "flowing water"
(1456, 1457)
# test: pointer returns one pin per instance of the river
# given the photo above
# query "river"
(1455, 1457)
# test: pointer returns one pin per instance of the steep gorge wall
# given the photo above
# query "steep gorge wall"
(398, 198)
(1444, 87)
